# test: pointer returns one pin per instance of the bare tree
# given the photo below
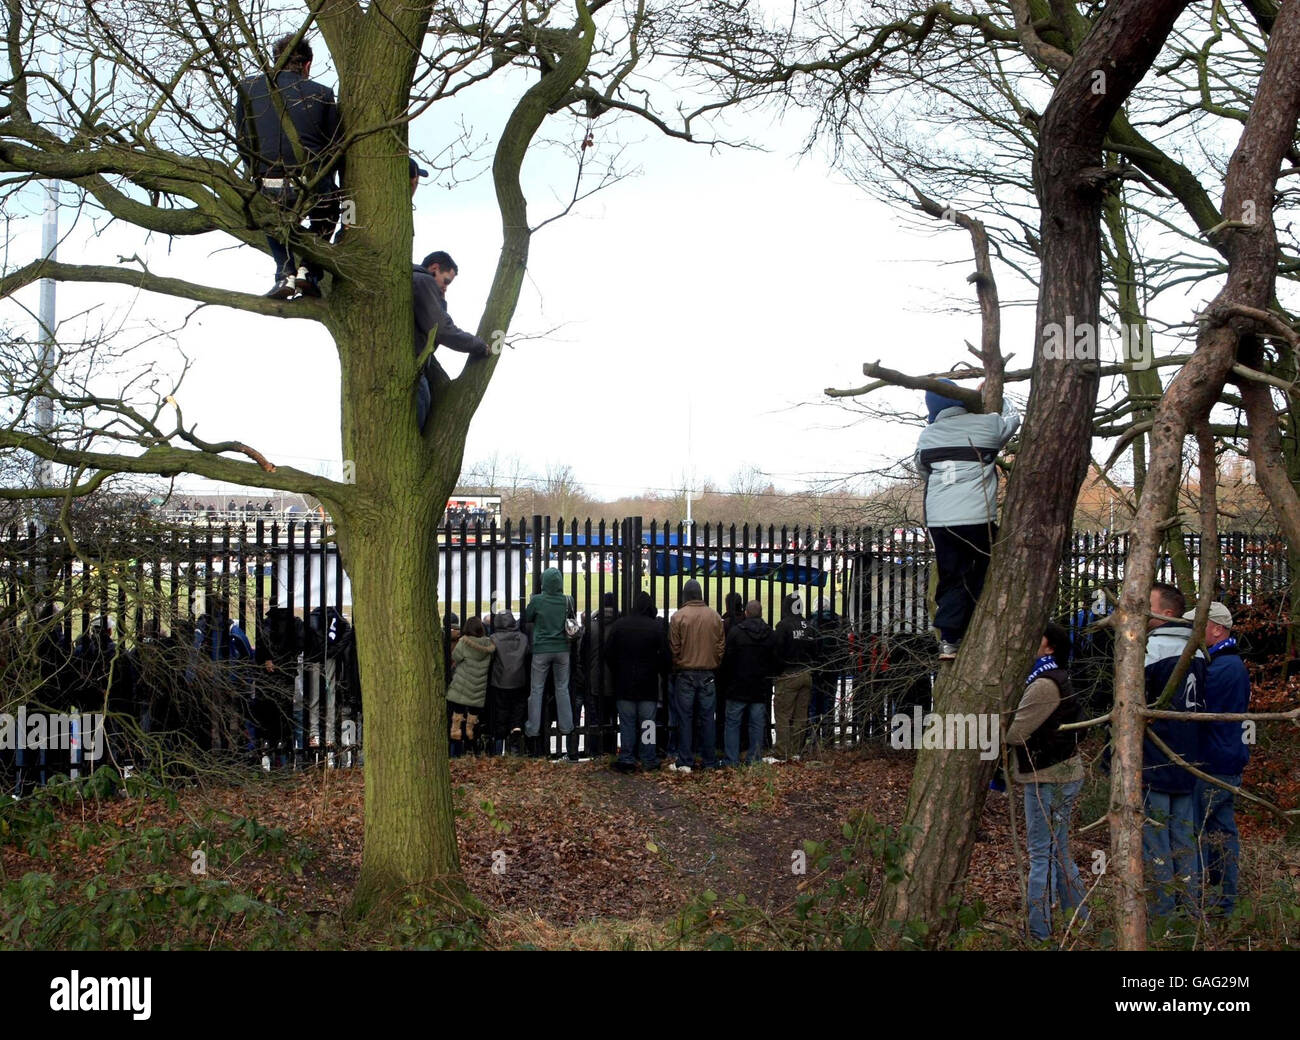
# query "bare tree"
(130, 106)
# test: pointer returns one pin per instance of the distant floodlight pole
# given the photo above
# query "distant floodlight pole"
(42, 469)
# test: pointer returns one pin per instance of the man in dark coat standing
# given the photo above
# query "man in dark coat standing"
(1224, 752)
(636, 649)
(747, 670)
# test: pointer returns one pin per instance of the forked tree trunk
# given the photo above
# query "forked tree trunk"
(1252, 252)
(949, 787)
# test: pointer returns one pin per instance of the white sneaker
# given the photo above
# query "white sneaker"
(674, 767)
(771, 761)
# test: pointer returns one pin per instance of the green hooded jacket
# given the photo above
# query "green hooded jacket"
(546, 613)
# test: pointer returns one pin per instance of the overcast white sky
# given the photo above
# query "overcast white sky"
(701, 306)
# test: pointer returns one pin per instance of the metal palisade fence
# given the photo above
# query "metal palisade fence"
(866, 589)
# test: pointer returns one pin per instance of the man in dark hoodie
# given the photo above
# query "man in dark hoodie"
(546, 614)
(636, 648)
(829, 659)
(593, 684)
(794, 654)
(747, 670)
(697, 642)
(283, 163)
(1169, 790)
(1225, 753)
(508, 682)
(956, 453)
(434, 327)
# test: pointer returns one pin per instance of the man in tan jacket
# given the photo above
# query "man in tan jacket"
(697, 641)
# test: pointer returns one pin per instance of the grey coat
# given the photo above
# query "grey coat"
(956, 455)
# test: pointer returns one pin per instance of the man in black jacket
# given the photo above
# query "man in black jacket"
(794, 651)
(294, 159)
(434, 327)
(638, 656)
(747, 670)
(593, 680)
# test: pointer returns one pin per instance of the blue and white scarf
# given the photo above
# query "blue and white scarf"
(1043, 664)
(1222, 644)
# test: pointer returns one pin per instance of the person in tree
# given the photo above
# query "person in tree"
(430, 280)
(294, 159)
(957, 454)
(1048, 764)
(1224, 752)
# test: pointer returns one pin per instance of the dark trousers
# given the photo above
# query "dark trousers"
(507, 710)
(962, 556)
(321, 220)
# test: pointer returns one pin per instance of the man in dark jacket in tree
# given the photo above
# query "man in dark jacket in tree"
(1169, 833)
(433, 325)
(794, 653)
(285, 168)
(1224, 753)
(747, 670)
(636, 648)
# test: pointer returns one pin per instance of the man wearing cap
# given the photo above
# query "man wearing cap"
(434, 327)
(416, 173)
(1224, 754)
(956, 453)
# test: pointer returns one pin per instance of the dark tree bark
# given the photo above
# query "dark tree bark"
(1231, 323)
(949, 787)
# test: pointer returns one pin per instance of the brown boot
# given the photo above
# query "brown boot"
(457, 723)
(469, 727)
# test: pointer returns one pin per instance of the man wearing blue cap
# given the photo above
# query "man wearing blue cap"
(956, 454)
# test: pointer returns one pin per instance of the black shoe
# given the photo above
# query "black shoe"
(284, 290)
(308, 287)
(624, 767)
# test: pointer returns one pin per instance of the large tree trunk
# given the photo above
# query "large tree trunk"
(949, 787)
(1252, 265)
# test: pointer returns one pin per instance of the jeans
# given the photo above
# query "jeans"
(755, 715)
(1053, 873)
(1219, 843)
(792, 693)
(1169, 849)
(559, 663)
(696, 697)
(635, 738)
(961, 555)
